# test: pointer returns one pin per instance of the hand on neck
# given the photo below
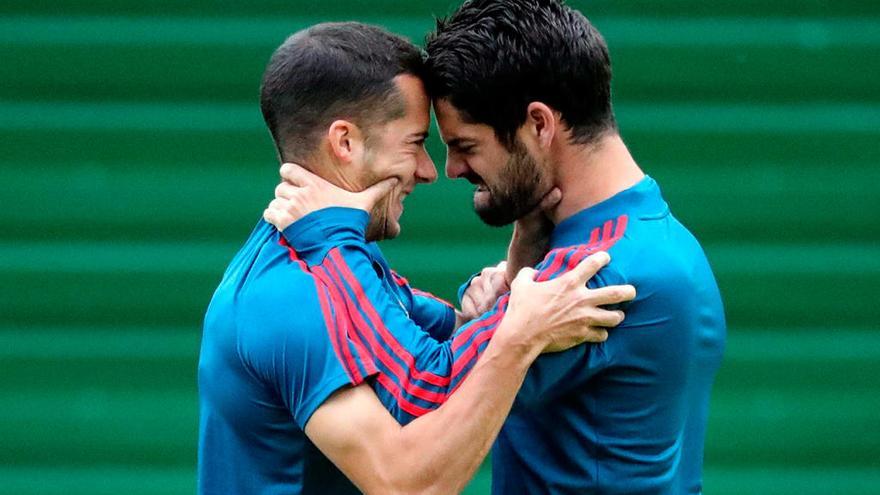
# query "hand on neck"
(337, 172)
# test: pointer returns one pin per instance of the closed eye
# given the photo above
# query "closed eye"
(460, 146)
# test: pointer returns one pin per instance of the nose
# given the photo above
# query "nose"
(426, 172)
(455, 168)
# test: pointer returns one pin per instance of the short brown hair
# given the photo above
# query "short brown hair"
(333, 71)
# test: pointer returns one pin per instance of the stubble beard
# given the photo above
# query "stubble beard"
(520, 188)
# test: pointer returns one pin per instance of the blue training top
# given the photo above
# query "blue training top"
(275, 346)
(625, 416)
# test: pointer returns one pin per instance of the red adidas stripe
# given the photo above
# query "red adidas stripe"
(339, 348)
(417, 292)
(462, 338)
(376, 321)
(404, 404)
(402, 374)
(343, 327)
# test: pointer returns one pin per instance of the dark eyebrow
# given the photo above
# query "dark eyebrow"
(459, 142)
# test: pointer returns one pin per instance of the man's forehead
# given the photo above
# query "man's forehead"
(445, 110)
(453, 129)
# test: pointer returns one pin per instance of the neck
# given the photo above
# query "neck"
(331, 171)
(588, 175)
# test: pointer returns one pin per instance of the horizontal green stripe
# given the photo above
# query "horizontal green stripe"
(148, 479)
(209, 257)
(133, 344)
(802, 345)
(738, 480)
(815, 33)
(692, 117)
(358, 8)
(97, 480)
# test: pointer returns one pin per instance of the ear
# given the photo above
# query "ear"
(346, 141)
(541, 124)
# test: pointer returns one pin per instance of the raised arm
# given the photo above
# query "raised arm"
(440, 451)
(417, 374)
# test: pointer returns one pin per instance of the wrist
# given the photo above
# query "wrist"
(334, 224)
(516, 340)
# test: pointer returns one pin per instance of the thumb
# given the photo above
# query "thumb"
(551, 199)
(525, 276)
(371, 195)
(297, 174)
(587, 268)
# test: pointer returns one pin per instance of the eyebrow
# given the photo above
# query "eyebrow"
(459, 142)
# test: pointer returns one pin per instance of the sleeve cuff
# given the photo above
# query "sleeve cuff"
(318, 232)
(464, 287)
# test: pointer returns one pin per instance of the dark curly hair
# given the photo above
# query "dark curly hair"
(491, 58)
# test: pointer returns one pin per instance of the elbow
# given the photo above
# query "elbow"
(411, 483)
(410, 474)
(412, 487)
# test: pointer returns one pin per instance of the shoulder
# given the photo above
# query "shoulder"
(659, 249)
(643, 248)
(281, 302)
(611, 235)
(669, 270)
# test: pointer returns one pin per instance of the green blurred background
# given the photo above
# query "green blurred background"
(133, 163)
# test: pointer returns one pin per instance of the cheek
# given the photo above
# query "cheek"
(407, 165)
(489, 166)
(398, 165)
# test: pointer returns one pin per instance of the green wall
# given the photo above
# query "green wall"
(133, 163)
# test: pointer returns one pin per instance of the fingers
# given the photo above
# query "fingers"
(377, 191)
(587, 268)
(286, 190)
(277, 214)
(297, 175)
(489, 293)
(596, 335)
(498, 283)
(606, 319)
(525, 275)
(614, 294)
(551, 199)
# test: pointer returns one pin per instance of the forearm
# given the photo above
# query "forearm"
(437, 453)
(441, 451)
(524, 251)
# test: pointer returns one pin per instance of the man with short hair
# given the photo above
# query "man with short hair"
(527, 84)
(522, 93)
(293, 342)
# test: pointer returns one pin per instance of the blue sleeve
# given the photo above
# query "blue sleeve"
(416, 372)
(432, 314)
(464, 287)
(557, 373)
(298, 344)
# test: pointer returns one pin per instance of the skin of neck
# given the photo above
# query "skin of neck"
(344, 175)
(590, 174)
(332, 170)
